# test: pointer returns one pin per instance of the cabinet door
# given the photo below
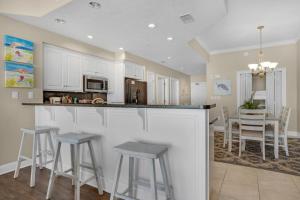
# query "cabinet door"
(111, 73)
(72, 72)
(151, 97)
(129, 70)
(53, 68)
(88, 65)
(119, 78)
(140, 72)
(101, 67)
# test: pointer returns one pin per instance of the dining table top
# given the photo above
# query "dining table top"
(269, 117)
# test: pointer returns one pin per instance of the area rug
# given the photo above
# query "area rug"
(252, 157)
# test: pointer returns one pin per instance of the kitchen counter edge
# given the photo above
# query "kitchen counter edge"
(206, 106)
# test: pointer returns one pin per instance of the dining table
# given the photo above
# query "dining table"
(270, 120)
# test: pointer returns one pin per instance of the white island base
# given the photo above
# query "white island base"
(186, 131)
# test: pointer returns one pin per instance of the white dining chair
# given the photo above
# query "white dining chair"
(222, 126)
(252, 127)
(283, 131)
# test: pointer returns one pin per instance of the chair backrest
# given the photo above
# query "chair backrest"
(252, 120)
(285, 120)
(281, 114)
(225, 115)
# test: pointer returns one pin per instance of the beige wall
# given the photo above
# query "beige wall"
(160, 69)
(226, 65)
(13, 115)
(198, 78)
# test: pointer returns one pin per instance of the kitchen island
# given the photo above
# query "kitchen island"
(184, 128)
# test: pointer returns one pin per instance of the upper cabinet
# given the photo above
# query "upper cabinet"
(117, 96)
(134, 71)
(62, 70)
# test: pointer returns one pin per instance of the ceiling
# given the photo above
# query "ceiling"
(219, 25)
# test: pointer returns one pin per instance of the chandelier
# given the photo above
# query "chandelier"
(262, 67)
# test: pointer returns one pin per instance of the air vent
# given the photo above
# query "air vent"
(187, 18)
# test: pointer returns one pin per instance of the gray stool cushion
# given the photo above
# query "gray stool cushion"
(142, 150)
(39, 129)
(76, 138)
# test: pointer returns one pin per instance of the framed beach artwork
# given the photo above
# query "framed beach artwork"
(18, 50)
(222, 87)
(18, 75)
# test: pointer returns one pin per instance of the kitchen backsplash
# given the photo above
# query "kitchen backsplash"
(78, 95)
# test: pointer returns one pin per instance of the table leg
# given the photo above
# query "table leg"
(276, 133)
(229, 135)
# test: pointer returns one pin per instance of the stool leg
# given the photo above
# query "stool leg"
(77, 172)
(53, 172)
(92, 153)
(72, 149)
(117, 177)
(33, 166)
(60, 159)
(46, 139)
(153, 179)
(51, 144)
(136, 176)
(130, 176)
(165, 176)
(19, 157)
(39, 154)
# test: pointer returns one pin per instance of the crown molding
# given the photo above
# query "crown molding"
(244, 48)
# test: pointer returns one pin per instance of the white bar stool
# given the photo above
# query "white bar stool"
(150, 152)
(75, 140)
(36, 148)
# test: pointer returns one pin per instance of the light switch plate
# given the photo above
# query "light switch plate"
(30, 95)
(15, 94)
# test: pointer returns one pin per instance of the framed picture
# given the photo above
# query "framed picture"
(18, 50)
(19, 75)
(222, 87)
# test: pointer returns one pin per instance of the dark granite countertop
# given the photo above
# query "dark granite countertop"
(208, 106)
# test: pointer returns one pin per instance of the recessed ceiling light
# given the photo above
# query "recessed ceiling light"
(151, 25)
(170, 38)
(121, 48)
(60, 21)
(90, 36)
(95, 4)
(169, 58)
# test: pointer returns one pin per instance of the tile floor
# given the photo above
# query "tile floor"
(235, 182)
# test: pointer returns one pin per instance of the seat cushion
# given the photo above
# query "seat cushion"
(252, 134)
(142, 150)
(76, 138)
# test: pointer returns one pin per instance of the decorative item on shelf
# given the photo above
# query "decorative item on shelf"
(55, 100)
(66, 100)
(262, 67)
(98, 101)
(18, 57)
(222, 87)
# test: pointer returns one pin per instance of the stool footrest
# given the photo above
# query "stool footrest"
(118, 195)
(87, 180)
(146, 183)
(64, 175)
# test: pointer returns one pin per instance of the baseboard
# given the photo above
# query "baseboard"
(293, 134)
(9, 167)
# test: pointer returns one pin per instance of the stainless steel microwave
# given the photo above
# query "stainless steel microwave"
(95, 84)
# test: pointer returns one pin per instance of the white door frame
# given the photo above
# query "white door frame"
(166, 100)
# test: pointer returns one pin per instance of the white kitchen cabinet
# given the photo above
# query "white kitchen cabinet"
(117, 96)
(94, 66)
(134, 71)
(72, 76)
(53, 68)
(62, 70)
